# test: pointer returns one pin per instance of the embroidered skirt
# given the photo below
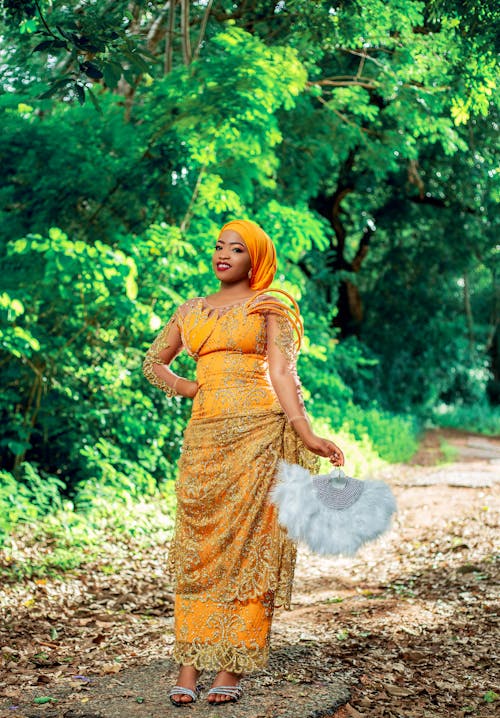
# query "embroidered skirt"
(231, 560)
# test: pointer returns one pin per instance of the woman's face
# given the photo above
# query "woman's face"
(231, 260)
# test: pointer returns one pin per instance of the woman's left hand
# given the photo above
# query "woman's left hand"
(187, 388)
(326, 448)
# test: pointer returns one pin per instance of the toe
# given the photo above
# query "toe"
(182, 698)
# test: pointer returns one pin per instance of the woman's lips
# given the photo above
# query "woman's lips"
(222, 266)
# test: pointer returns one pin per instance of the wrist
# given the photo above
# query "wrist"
(187, 388)
(302, 426)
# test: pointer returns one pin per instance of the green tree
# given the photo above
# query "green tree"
(362, 136)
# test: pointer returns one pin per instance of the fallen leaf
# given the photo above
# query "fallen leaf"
(85, 621)
(415, 656)
(111, 668)
(353, 712)
(42, 678)
(11, 692)
(393, 690)
(85, 679)
(399, 667)
(365, 703)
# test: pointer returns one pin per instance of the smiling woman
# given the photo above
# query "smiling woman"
(231, 560)
(231, 260)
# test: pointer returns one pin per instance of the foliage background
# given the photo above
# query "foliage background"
(360, 135)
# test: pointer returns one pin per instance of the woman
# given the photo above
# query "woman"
(231, 560)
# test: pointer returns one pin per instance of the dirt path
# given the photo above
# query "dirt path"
(406, 629)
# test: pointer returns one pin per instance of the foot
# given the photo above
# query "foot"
(224, 678)
(188, 675)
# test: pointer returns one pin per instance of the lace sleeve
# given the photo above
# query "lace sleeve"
(162, 351)
(282, 357)
(284, 339)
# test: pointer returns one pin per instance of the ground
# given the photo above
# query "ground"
(406, 629)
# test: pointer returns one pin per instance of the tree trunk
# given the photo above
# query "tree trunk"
(493, 345)
(468, 313)
(185, 32)
(169, 40)
(349, 303)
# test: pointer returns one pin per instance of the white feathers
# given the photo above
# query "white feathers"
(325, 530)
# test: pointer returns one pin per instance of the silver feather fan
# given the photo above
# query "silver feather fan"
(331, 513)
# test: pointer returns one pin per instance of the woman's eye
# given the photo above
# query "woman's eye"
(236, 249)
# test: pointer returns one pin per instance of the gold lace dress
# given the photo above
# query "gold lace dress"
(231, 561)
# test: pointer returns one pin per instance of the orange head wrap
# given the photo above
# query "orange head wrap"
(261, 250)
(264, 265)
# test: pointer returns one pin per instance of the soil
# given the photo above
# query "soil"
(406, 629)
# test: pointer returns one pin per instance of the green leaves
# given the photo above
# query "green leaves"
(295, 229)
(362, 137)
(74, 343)
(491, 697)
(91, 70)
(47, 45)
(112, 72)
(93, 271)
(84, 43)
(354, 100)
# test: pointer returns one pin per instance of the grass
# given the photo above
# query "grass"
(66, 538)
(39, 543)
(448, 452)
(58, 543)
(479, 418)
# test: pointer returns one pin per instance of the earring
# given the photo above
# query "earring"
(249, 274)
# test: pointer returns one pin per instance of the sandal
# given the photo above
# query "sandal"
(180, 690)
(234, 693)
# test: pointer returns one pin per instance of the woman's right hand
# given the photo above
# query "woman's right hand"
(187, 388)
(326, 448)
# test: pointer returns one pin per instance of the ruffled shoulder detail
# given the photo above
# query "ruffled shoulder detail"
(263, 302)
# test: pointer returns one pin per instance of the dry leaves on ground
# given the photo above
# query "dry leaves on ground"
(410, 624)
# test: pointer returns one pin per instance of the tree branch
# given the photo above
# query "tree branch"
(203, 28)
(344, 118)
(189, 212)
(44, 22)
(157, 31)
(186, 38)
(167, 64)
(468, 312)
(362, 250)
(345, 81)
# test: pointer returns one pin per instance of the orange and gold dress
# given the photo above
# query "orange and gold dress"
(231, 560)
